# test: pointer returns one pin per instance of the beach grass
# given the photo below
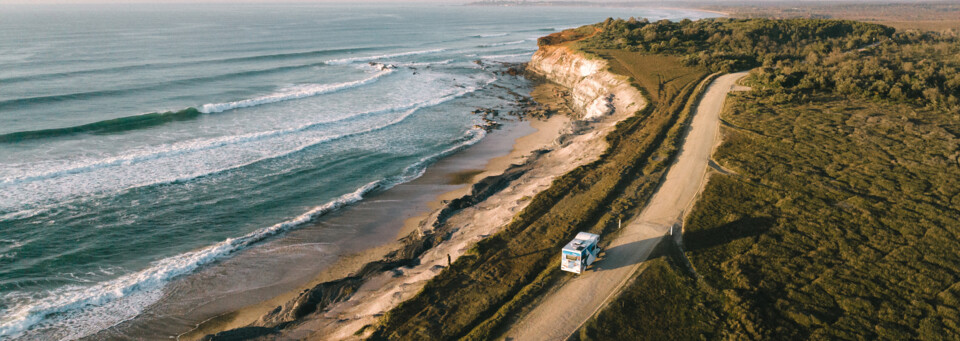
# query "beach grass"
(662, 303)
(651, 72)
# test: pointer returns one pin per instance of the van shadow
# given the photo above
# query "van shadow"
(726, 233)
(626, 255)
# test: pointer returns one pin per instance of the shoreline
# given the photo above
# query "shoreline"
(614, 5)
(545, 132)
(726, 14)
(542, 132)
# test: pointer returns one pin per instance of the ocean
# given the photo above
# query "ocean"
(143, 144)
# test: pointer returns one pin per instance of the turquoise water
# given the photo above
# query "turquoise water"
(140, 143)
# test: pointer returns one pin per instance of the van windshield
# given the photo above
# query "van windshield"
(572, 257)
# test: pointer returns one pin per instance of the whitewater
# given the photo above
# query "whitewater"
(147, 151)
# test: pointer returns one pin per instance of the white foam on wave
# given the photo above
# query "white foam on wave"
(517, 42)
(301, 91)
(22, 214)
(85, 310)
(8, 247)
(490, 35)
(343, 61)
(208, 144)
(409, 111)
(419, 64)
(296, 92)
(506, 56)
(145, 285)
(10, 244)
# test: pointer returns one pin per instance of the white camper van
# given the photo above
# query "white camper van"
(580, 252)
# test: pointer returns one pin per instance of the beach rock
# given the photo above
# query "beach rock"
(313, 300)
(322, 295)
(381, 66)
(245, 333)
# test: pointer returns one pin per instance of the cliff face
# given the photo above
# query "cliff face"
(595, 91)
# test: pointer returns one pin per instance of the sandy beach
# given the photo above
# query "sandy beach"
(452, 177)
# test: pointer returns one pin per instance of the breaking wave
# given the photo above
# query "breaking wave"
(343, 61)
(517, 42)
(107, 126)
(127, 160)
(490, 35)
(22, 317)
(153, 119)
(127, 68)
(293, 93)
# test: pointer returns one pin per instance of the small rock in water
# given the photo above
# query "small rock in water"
(382, 67)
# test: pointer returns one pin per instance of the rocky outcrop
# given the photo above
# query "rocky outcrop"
(595, 92)
(432, 231)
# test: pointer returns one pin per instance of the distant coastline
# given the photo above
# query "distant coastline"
(523, 3)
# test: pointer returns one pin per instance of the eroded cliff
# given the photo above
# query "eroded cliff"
(595, 92)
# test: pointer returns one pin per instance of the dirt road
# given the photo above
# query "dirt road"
(563, 311)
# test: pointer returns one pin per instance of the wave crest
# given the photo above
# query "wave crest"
(294, 93)
(21, 318)
(158, 118)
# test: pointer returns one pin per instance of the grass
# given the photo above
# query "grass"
(861, 203)
(482, 291)
(841, 222)
(655, 306)
(646, 70)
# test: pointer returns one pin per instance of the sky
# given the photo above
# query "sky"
(451, 2)
(218, 1)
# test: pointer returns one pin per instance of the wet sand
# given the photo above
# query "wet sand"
(543, 133)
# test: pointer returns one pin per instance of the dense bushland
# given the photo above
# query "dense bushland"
(732, 44)
(842, 217)
(799, 57)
